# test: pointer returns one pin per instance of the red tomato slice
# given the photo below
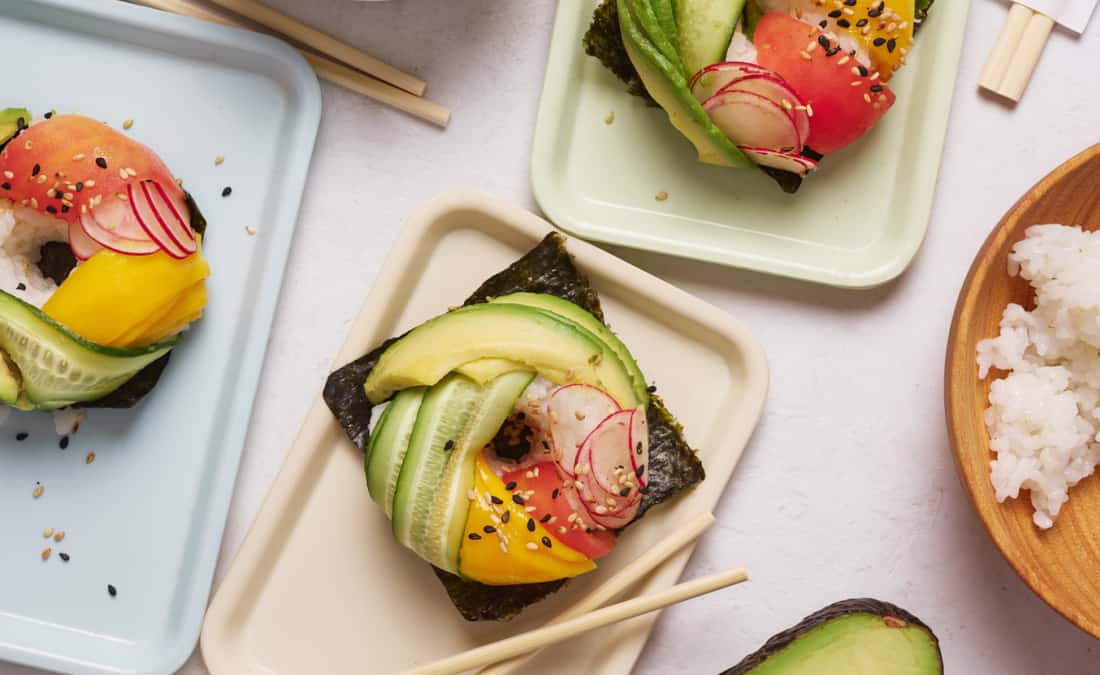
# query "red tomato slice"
(845, 101)
(549, 498)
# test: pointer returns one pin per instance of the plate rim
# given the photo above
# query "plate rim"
(219, 635)
(565, 54)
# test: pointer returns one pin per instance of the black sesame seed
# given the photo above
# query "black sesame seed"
(824, 41)
(861, 23)
(876, 88)
(495, 499)
(510, 485)
(489, 529)
(624, 492)
(833, 51)
(891, 44)
(21, 286)
(651, 388)
(823, 23)
(506, 516)
(862, 71)
(878, 42)
(521, 415)
(79, 186)
(21, 123)
(101, 162)
(51, 209)
(35, 169)
(449, 445)
(21, 436)
(517, 499)
(111, 590)
(844, 23)
(850, 3)
(64, 208)
(874, 13)
(835, 14)
(547, 543)
(227, 191)
(47, 115)
(64, 443)
(6, 186)
(530, 524)
(638, 448)
(545, 445)
(639, 471)
(545, 518)
(64, 557)
(554, 493)
(474, 536)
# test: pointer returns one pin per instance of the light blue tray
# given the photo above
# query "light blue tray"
(147, 515)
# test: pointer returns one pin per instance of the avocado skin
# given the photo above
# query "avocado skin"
(547, 268)
(780, 641)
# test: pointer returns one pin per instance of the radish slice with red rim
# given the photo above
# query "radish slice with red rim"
(109, 240)
(710, 80)
(83, 246)
(611, 489)
(774, 88)
(751, 119)
(157, 220)
(170, 213)
(786, 161)
(575, 410)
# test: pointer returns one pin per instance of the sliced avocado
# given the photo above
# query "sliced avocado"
(58, 367)
(669, 88)
(10, 386)
(852, 637)
(12, 121)
(388, 444)
(584, 319)
(484, 371)
(443, 415)
(705, 28)
(646, 16)
(555, 348)
(447, 520)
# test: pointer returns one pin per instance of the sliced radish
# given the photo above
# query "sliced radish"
(609, 486)
(83, 246)
(574, 411)
(772, 87)
(170, 213)
(751, 119)
(142, 209)
(614, 469)
(108, 239)
(710, 80)
(786, 161)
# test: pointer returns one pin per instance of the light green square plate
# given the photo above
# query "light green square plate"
(857, 222)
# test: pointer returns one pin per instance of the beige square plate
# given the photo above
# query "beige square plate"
(320, 586)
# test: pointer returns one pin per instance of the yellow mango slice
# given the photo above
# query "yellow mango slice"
(187, 309)
(111, 295)
(508, 552)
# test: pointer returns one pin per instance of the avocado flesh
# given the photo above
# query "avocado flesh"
(558, 350)
(704, 31)
(9, 381)
(669, 88)
(575, 314)
(851, 637)
(9, 122)
(646, 17)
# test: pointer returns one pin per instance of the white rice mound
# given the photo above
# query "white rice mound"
(1044, 415)
(23, 231)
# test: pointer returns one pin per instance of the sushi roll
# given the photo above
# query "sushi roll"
(101, 263)
(518, 436)
(774, 84)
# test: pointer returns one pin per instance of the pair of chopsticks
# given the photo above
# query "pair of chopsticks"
(510, 653)
(336, 62)
(1016, 52)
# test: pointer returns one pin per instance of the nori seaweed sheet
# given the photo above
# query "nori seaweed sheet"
(548, 268)
(139, 386)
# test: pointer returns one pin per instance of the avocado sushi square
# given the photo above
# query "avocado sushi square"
(775, 84)
(101, 264)
(518, 436)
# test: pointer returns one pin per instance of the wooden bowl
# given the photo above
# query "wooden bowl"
(1061, 564)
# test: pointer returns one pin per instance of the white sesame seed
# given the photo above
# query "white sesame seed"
(844, 60)
(532, 546)
(874, 75)
(250, 230)
(867, 98)
(804, 55)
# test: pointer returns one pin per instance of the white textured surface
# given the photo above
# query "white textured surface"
(847, 488)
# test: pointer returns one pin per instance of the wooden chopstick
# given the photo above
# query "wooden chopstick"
(619, 582)
(324, 43)
(993, 72)
(328, 70)
(547, 635)
(1016, 52)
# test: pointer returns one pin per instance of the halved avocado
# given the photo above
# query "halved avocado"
(555, 348)
(669, 88)
(862, 636)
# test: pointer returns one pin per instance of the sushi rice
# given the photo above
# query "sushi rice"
(23, 231)
(1044, 415)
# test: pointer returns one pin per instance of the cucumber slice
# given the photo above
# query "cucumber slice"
(444, 413)
(58, 367)
(452, 502)
(705, 28)
(388, 444)
(584, 319)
